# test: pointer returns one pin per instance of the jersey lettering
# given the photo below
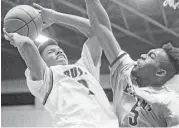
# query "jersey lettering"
(134, 120)
(141, 103)
(83, 82)
(74, 72)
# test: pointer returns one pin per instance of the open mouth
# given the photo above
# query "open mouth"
(138, 63)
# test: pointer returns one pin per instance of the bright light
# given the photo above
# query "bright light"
(41, 39)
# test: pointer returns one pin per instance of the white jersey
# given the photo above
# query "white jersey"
(141, 107)
(76, 99)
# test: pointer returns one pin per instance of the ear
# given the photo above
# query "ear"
(161, 72)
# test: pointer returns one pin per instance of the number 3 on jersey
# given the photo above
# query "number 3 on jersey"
(83, 82)
(134, 120)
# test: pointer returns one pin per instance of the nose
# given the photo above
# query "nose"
(143, 56)
(58, 52)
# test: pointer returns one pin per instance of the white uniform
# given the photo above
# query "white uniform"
(141, 107)
(76, 99)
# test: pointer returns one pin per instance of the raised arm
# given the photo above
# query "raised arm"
(82, 24)
(29, 53)
(51, 16)
(104, 34)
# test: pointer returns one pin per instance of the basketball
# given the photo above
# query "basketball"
(24, 20)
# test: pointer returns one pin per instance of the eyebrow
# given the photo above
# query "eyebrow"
(48, 51)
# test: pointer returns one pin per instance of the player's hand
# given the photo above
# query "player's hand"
(46, 14)
(171, 3)
(14, 38)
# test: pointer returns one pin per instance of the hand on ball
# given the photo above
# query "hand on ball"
(46, 14)
(14, 38)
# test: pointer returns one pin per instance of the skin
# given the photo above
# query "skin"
(148, 71)
(151, 68)
(54, 55)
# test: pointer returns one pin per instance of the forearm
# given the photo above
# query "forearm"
(95, 50)
(32, 58)
(80, 23)
(100, 13)
(105, 36)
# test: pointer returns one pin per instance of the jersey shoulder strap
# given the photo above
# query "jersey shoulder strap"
(50, 87)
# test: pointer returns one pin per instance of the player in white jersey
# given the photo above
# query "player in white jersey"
(70, 93)
(141, 98)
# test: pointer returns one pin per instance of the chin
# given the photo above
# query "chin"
(134, 72)
(62, 62)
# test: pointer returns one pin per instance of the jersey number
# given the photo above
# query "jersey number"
(83, 82)
(133, 120)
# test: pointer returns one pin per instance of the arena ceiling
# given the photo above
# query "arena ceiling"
(138, 25)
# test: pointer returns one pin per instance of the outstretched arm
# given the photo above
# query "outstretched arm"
(50, 16)
(82, 24)
(104, 34)
(29, 53)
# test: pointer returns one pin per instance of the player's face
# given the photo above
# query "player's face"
(148, 64)
(54, 55)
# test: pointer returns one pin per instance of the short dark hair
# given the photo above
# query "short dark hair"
(43, 45)
(173, 53)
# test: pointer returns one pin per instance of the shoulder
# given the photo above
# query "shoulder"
(122, 63)
(170, 99)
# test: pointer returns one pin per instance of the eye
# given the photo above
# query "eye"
(50, 51)
(152, 55)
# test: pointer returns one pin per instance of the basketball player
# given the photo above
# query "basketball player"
(71, 93)
(141, 98)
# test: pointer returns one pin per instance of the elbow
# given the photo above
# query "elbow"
(37, 75)
(90, 33)
(25, 44)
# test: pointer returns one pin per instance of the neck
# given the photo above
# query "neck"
(145, 82)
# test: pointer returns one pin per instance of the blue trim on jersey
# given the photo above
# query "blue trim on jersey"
(115, 60)
(50, 88)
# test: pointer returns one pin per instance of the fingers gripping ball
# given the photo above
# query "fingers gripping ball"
(24, 20)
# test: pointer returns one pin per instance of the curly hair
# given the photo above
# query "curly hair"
(173, 53)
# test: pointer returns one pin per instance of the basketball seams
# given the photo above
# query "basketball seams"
(38, 16)
(27, 29)
(21, 16)
(31, 18)
(26, 23)
(21, 26)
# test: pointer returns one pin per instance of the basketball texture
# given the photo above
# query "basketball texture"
(24, 20)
